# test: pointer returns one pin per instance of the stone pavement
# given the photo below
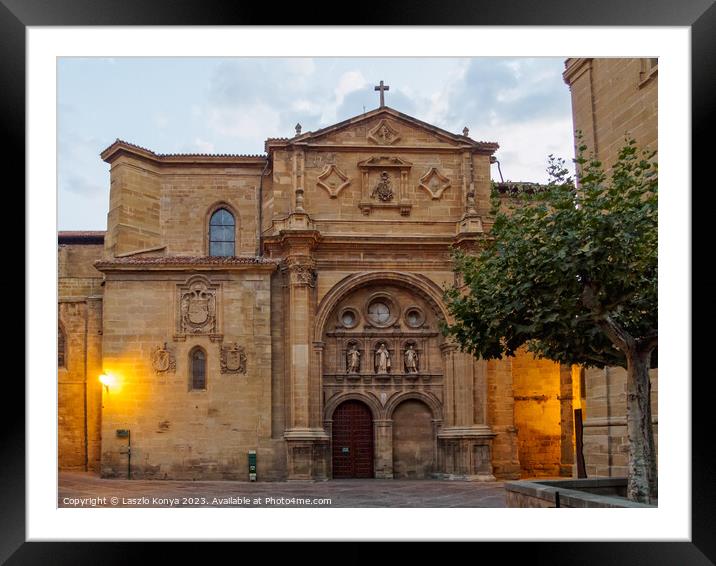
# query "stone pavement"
(84, 489)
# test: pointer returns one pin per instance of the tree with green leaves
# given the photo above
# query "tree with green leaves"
(570, 272)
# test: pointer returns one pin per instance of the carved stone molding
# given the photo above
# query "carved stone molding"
(333, 180)
(197, 307)
(434, 182)
(300, 273)
(233, 358)
(163, 360)
(384, 133)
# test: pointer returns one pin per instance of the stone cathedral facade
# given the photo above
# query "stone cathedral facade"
(290, 304)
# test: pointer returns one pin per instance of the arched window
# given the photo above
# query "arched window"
(197, 369)
(60, 347)
(222, 233)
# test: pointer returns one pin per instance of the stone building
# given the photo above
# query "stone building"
(290, 304)
(610, 98)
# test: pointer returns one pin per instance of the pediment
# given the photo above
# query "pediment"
(385, 127)
(385, 161)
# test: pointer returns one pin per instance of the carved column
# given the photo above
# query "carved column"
(306, 439)
(464, 445)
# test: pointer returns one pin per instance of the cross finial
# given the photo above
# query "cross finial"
(381, 87)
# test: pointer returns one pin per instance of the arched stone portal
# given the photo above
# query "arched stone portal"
(413, 441)
(377, 339)
(380, 342)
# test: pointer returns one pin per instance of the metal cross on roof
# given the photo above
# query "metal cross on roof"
(382, 88)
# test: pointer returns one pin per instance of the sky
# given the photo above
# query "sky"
(231, 105)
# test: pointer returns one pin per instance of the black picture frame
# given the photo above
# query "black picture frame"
(17, 15)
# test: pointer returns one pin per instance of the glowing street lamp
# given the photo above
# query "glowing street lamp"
(107, 380)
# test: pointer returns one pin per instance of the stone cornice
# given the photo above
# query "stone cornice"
(121, 147)
(574, 68)
(185, 263)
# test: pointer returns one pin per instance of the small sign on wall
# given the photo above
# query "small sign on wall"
(252, 465)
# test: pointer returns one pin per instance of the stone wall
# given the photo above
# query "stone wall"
(177, 432)
(606, 443)
(78, 389)
(536, 386)
(611, 97)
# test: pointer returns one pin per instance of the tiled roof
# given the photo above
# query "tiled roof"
(184, 260)
(225, 155)
(81, 237)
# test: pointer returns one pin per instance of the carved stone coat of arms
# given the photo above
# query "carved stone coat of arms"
(233, 359)
(198, 310)
(163, 360)
(383, 190)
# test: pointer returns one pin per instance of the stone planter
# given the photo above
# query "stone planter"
(598, 492)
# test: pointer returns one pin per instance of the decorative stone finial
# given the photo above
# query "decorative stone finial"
(465, 131)
(298, 129)
(299, 199)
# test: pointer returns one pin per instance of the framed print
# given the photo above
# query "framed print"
(251, 254)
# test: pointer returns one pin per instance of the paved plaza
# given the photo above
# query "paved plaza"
(83, 489)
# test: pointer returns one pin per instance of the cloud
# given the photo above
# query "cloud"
(161, 120)
(203, 146)
(248, 121)
(82, 185)
(507, 90)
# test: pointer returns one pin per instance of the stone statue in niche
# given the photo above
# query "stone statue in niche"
(383, 190)
(382, 359)
(353, 360)
(411, 360)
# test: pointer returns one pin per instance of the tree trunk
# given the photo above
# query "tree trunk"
(642, 483)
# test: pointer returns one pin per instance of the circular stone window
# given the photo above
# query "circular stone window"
(348, 318)
(379, 312)
(414, 317)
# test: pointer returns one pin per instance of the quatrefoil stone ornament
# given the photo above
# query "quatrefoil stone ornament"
(333, 180)
(434, 183)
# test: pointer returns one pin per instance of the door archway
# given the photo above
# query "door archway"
(352, 440)
(413, 441)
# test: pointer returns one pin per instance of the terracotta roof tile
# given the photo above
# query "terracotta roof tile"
(185, 260)
(230, 155)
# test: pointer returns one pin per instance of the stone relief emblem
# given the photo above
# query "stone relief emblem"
(383, 190)
(434, 182)
(333, 180)
(163, 360)
(198, 309)
(384, 134)
(233, 359)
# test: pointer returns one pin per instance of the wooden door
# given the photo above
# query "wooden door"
(352, 441)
